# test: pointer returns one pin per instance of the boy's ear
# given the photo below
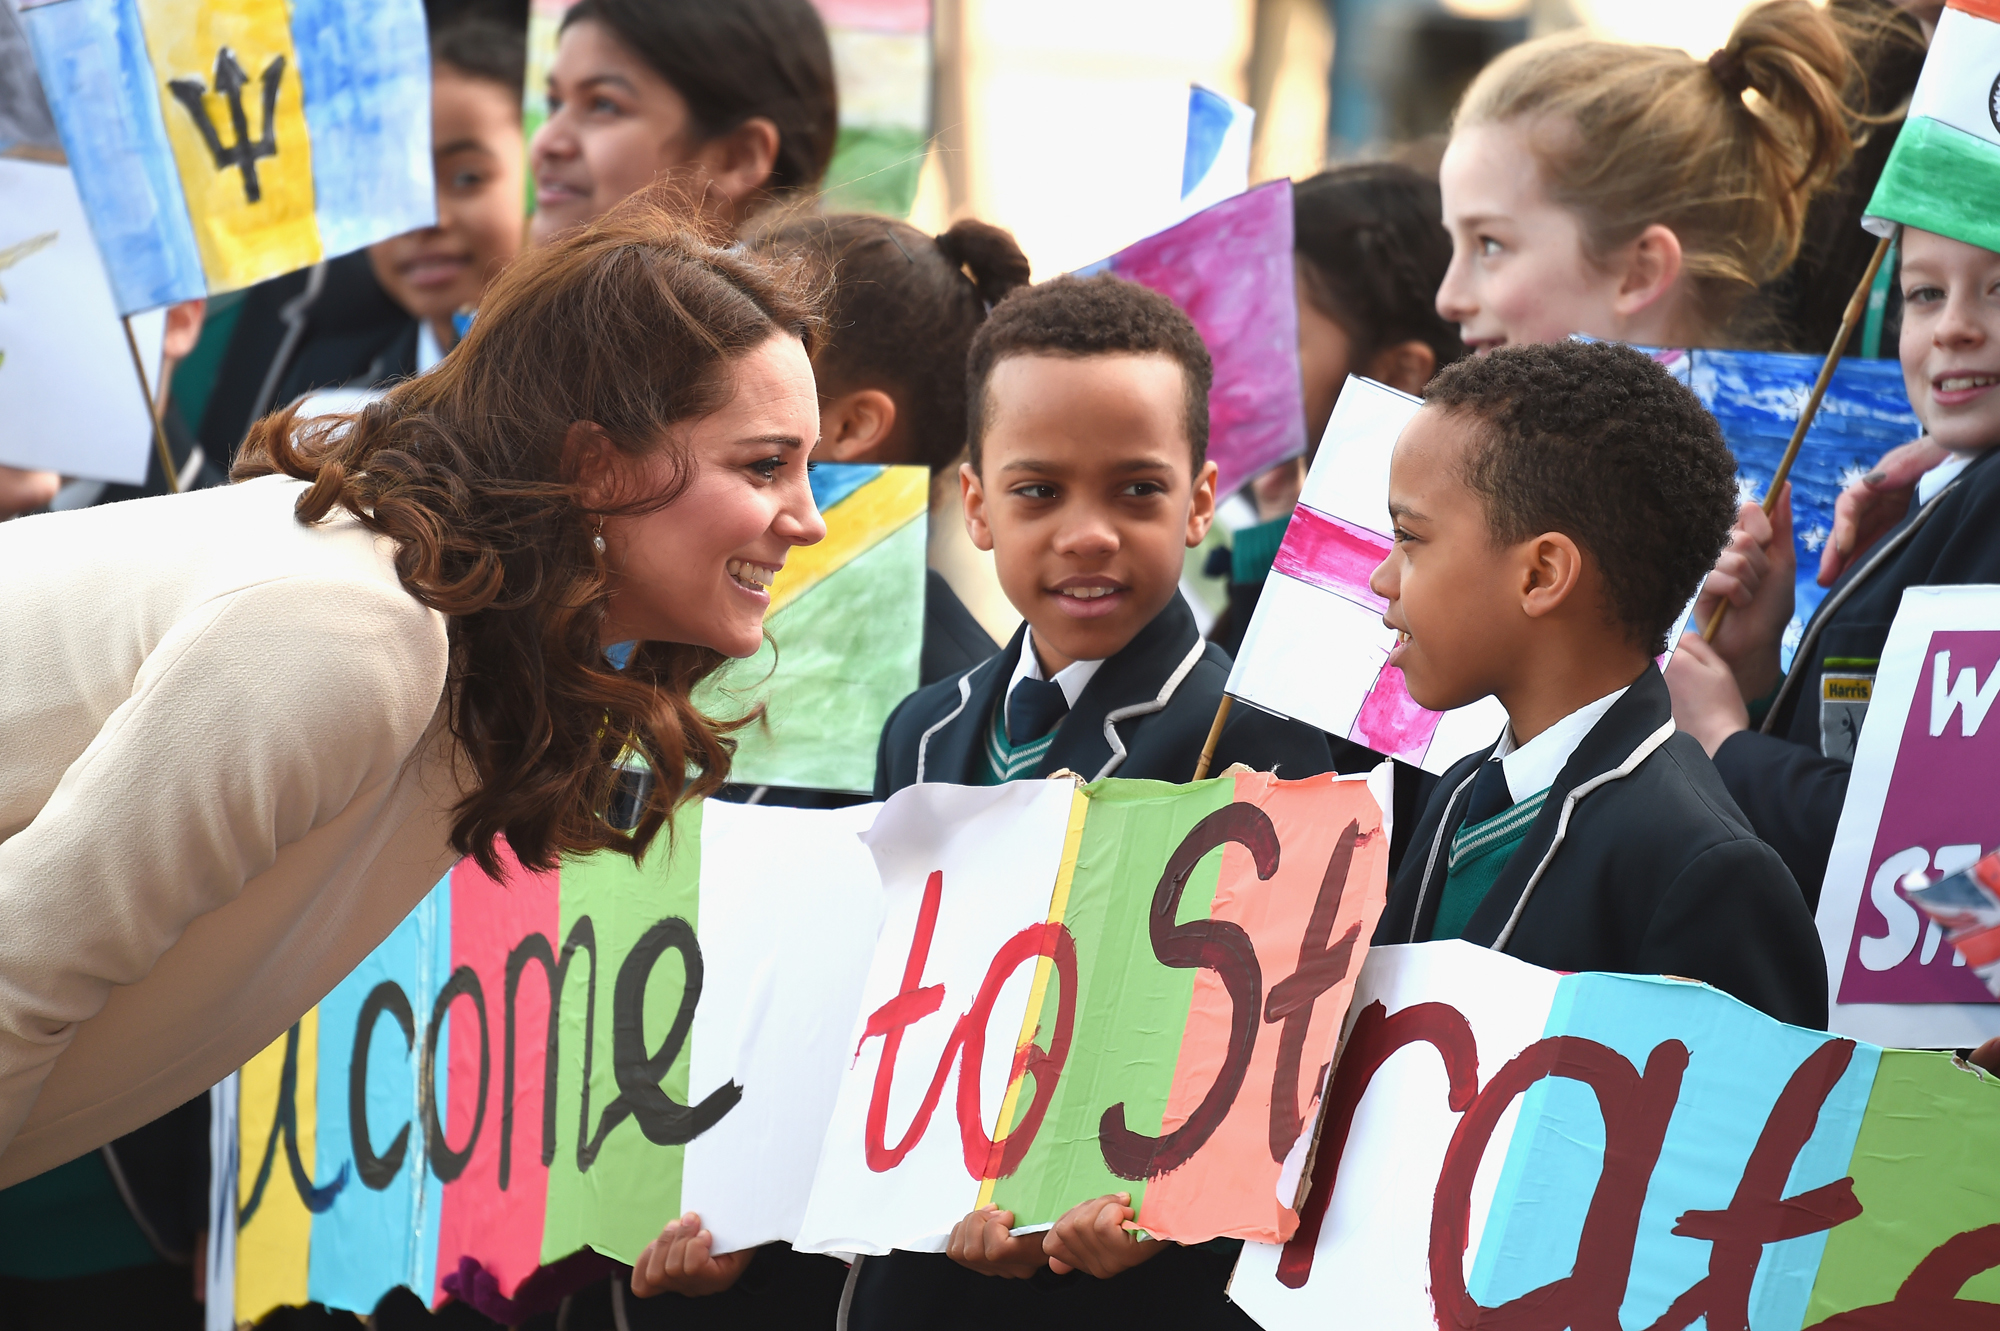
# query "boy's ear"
(1652, 264)
(972, 493)
(1201, 505)
(855, 427)
(1551, 568)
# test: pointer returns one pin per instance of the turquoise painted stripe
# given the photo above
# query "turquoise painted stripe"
(365, 68)
(99, 80)
(834, 481)
(381, 1233)
(1739, 1061)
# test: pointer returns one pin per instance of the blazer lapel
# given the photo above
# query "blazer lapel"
(954, 750)
(1136, 676)
(1631, 720)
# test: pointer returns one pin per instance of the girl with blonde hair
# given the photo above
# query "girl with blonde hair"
(1636, 192)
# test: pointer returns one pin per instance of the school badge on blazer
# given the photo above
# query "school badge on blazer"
(1844, 691)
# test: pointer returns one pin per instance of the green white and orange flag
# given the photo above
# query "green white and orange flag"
(1178, 997)
(1943, 175)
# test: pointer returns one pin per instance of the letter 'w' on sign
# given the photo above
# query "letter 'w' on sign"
(1964, 693)
(217, 143)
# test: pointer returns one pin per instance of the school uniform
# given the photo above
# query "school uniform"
(1144, 712)
(1789, 775)
(1613, 846)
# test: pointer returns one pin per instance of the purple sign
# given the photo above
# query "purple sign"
(1939, 814)
(1230, 268)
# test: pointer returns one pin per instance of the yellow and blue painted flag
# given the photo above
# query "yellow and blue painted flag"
(216, 143)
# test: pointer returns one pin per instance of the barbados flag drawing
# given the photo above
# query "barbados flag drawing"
(1943, 175)
(217, 143)
(842, 637)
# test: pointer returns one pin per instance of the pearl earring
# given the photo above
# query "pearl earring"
(597, 540)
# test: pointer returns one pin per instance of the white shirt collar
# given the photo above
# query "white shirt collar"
(1071, 678)
(1940, 476)
(429, 352)
(1533, 767)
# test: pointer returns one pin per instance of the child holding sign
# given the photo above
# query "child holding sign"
(1631, 192)
(1781, 773)
(1552, 506)
(1088, 478)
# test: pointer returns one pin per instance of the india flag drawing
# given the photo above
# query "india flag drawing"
(1943, 175)
(217, 143)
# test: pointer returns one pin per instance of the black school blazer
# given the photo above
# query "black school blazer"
(1791, 794)
(1638, 862)
(1144, 714)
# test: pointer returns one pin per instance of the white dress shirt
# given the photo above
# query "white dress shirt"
(1071, 678)
(1533, 767)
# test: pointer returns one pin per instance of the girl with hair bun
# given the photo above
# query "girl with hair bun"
(1636, 192)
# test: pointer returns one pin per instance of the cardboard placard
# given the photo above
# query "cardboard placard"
(1509, 1146)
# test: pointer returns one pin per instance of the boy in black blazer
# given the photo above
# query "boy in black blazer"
(1088, 480)
(1553, 505)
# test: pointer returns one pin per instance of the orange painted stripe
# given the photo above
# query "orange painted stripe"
(1986, 9)
(1310, 817)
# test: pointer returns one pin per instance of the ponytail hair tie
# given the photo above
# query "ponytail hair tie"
(1727, 67)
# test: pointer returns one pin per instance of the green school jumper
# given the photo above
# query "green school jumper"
(1478, 854)
(1006, 762)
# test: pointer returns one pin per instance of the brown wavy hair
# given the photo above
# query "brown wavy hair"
(629, 324)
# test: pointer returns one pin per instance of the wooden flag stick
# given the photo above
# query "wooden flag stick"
(1855, 307)
(152, 410)
(1214, 734)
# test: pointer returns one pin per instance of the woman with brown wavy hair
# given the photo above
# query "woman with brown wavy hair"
(248, 728)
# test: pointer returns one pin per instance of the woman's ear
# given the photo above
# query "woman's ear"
(738, 164)
(1406, 365)
(1652, 264)
(592, 458)
(856, 427)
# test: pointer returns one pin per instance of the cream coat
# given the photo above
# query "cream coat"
(223, 780)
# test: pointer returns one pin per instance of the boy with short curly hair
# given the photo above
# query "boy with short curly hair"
(1553, 508)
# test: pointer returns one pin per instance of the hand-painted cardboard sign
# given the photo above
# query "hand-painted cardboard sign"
(843, 636)
(68, 391)
(1920, 799)
(1316, 648)
(1230, 268)
(1131, 986)
(529, 1066)
(220, 142)
(1756, 397)
(1509, 1147)
(1177, 993)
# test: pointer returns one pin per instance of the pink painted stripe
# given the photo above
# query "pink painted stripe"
(1331, 554)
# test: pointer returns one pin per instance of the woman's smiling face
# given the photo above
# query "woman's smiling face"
(698, 570)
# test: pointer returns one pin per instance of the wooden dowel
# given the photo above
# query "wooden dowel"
(152, 410)
(1855, 306)
(1214, 734)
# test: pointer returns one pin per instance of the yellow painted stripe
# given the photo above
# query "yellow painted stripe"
(273, 1250)
(1032, 1020)
(240, 241)
(854, 526)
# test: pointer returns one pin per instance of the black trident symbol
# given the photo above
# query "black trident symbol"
(230, 81)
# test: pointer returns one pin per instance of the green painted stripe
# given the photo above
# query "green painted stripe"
(633, 1187)
(1131, 1009)
(1942, 180)
(1470, 839)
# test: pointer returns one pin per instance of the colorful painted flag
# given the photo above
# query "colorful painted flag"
(1230, 268)
(426, 1114)
(220, 142)
(1507, 1146)
(1943, 175)
(843, 636)
(1316, 648)
(882, 65)
(1919, 801)
(1216, 163)
(1177, 995)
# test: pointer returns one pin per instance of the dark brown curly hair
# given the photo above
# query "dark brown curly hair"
(629, 324)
